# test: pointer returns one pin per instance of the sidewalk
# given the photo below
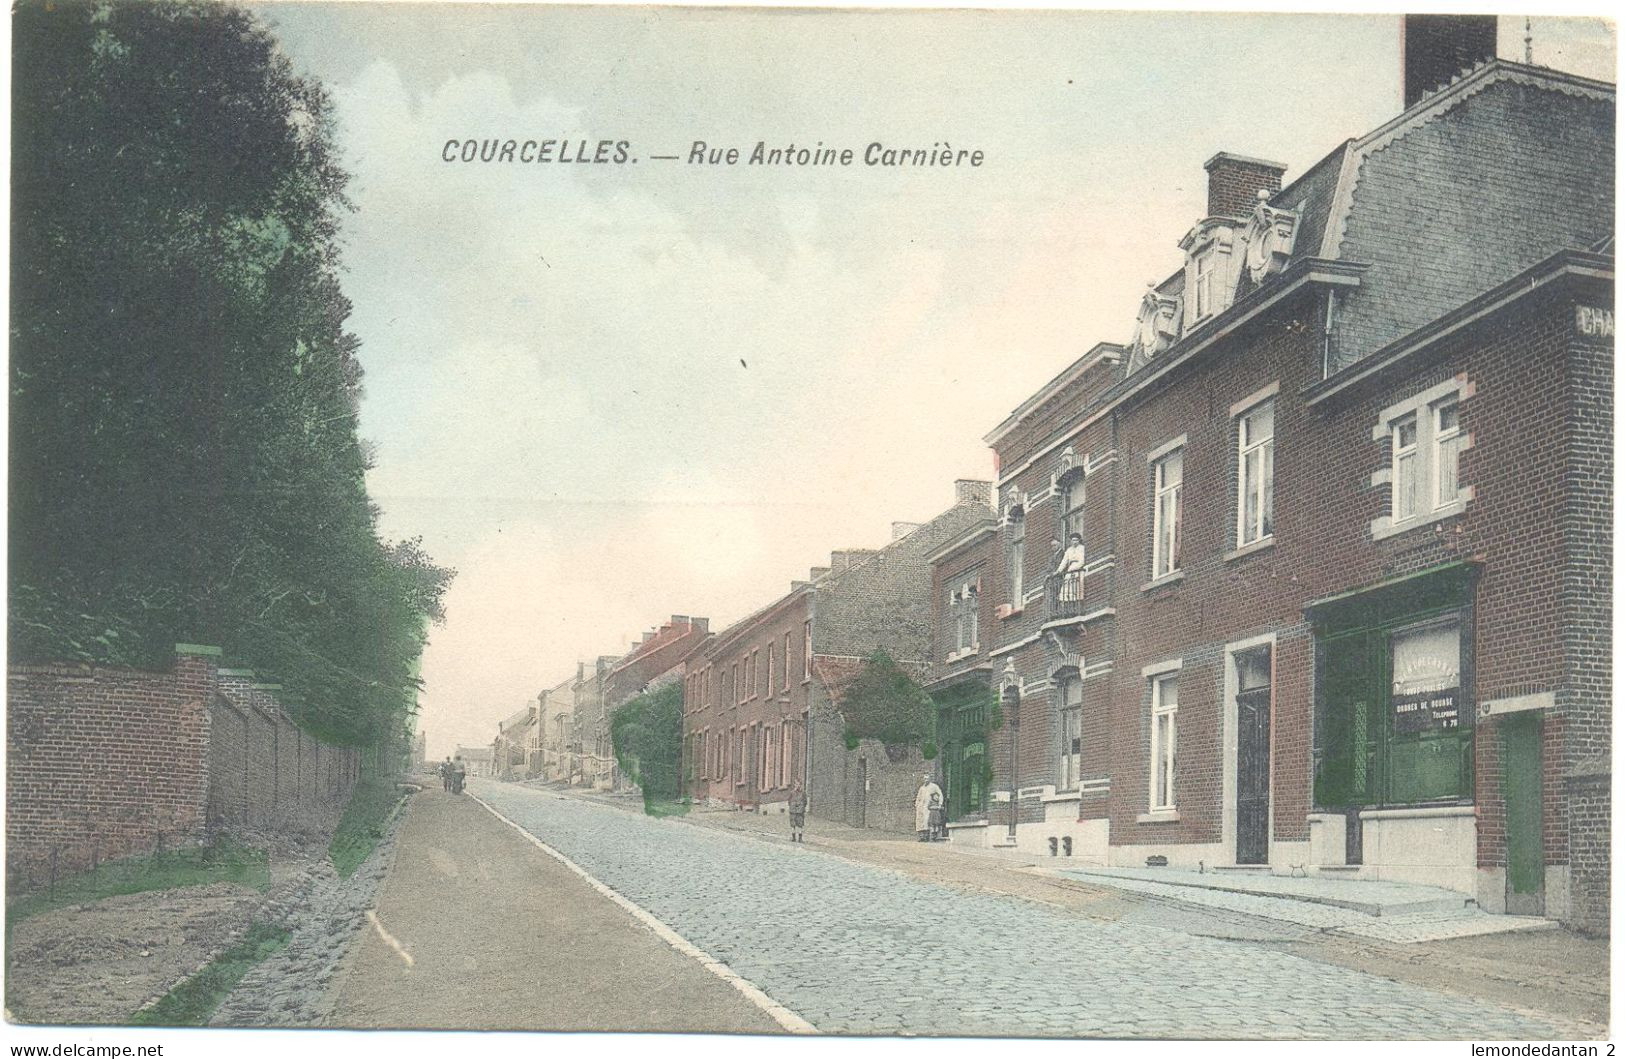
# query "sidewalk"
(1397, 913)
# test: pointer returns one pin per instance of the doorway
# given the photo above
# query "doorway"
(1521, 776)
(1253, 756)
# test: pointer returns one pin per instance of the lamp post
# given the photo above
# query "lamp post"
(1010, 701)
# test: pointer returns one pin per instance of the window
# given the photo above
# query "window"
(1164, 740)
(963, 603)
(1407, 469)
(1393, 720)
(1204, 285)
(739, 686)
(786, 685)
(1425, 442)
(765, 759)
(786, 744)
(1071, 508)
(1016, 555)
(768, 683)
(1069, 774)
(806, 651)
(750, 681)
(1446, 449)
(739, 758)
(1167, 474)
(1255, 502)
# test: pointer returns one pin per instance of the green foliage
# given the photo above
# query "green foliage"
(373, 801)
(184, 458)
(194, 1000)
(883, 702)
(850, 738)
(929, 750)
(187, 866)
(647, 733)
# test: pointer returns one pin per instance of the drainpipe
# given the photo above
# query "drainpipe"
(1010, 696)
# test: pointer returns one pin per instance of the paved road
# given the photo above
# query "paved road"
(503, 937)
(858, 949)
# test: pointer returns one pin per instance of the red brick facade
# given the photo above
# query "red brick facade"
(1324, 346)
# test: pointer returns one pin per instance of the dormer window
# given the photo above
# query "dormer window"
(1210, 273)
(1204, 285)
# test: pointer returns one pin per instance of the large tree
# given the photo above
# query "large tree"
(184, 456)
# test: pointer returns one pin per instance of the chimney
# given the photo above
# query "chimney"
(848, 558)
(699, 625)
(972, 491)
(1234, 181)
(1437, 48)
(899, 530)
(816, 572)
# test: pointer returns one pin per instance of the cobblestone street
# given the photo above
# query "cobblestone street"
(853, 948)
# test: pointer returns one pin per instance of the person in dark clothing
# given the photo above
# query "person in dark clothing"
(798, 813)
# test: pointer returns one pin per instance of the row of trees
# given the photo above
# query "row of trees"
(185, 463)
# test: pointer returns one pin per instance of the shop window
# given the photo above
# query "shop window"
(1392, 725)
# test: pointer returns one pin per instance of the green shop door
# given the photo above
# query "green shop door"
(1520, 791)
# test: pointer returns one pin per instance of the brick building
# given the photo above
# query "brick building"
(556, 732)
(762, 699)
(595, 756)
(655, 662)
(513, 750)
(960, 670)
(1344, 503)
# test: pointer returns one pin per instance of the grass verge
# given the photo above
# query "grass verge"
(192, 1001)
(224, 861)
(371, 803)
(664, 806)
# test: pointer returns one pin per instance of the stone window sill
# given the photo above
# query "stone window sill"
(1164, 581)
(1063, 796)
(1263, 544)
(1160, 816)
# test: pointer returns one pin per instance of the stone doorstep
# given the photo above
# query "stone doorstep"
(1371, 903)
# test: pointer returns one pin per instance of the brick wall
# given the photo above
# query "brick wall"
(105, 763)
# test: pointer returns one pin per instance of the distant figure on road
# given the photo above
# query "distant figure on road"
(444, 768)
(458, 771)
(798, 812)
(928, 795)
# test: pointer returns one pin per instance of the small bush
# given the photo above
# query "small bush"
(194, 1000)
(372, 801)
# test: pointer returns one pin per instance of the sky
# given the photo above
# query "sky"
(607, 394)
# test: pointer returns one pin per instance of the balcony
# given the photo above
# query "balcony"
(1064, 595)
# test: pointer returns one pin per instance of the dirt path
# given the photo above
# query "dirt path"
(503, 937)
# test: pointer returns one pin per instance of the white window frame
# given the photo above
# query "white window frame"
(785, 686)
(1169, 768)
(1072, 496)
(1166, 563)
(769, 681)
(786, 748)
(1206, 267)
(1264, 449)
(1427, 454)
(1409, 466)
(806, 652)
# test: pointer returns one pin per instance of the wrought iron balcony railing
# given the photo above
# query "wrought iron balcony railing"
(1063, 592)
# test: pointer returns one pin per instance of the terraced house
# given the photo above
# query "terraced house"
(1341, 604)
(762, 705)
